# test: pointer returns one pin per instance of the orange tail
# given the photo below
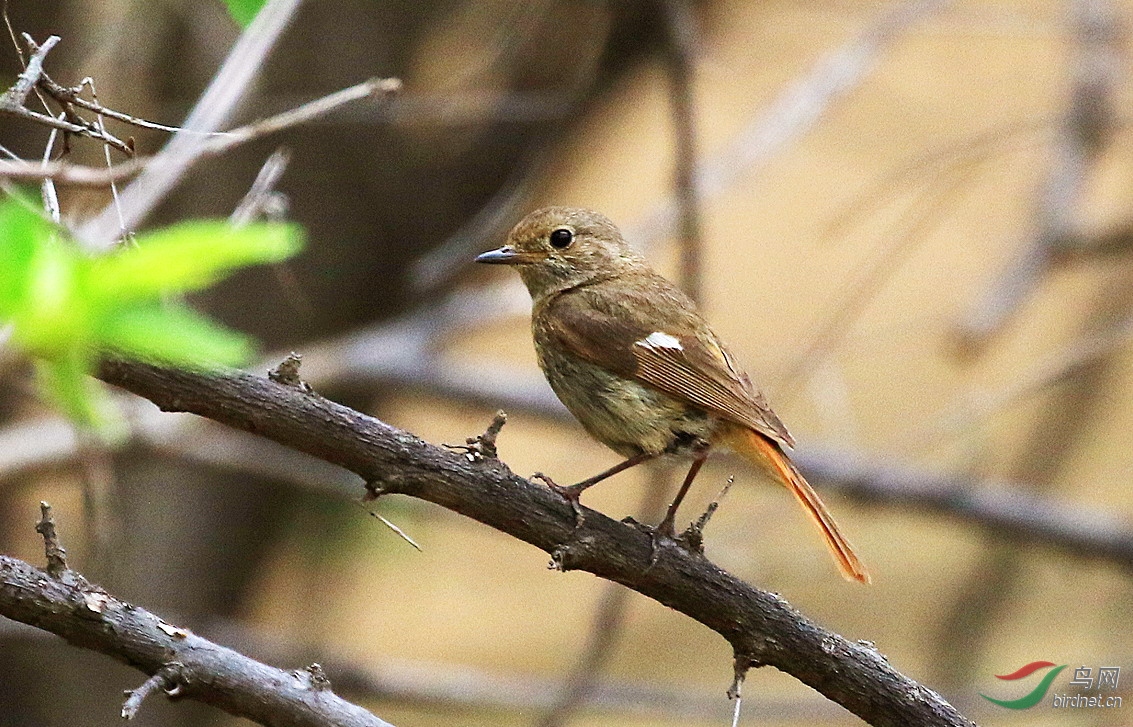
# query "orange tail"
(768, 456)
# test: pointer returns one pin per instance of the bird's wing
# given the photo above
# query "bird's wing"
(655, 338)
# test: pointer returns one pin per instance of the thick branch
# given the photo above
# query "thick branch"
(762, 627)
(86, 616)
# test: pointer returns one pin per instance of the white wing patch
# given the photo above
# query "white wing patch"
(657, 339)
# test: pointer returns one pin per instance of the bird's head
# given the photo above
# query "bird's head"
(556, 248)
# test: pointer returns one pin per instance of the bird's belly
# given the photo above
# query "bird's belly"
(626, 416)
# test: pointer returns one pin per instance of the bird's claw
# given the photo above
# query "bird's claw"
(570, 493)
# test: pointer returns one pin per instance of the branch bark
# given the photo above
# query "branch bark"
(761, 627)
(193, 667)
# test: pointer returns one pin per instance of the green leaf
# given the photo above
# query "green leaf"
(243, 11)
(173, 333)
(63, 380)
(21, 234)
(189, 256)
(52, 313)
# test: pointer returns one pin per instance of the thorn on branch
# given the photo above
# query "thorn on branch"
(287, 373)
(740, 666)
(483, 446)
(56, 555)
(693, 537)
(370, 495)
(167, 678)
(315, 678)
(374, 490)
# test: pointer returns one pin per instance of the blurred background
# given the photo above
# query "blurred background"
(909, 219)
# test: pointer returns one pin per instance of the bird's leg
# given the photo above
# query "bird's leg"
(573, 492)
(666, 526)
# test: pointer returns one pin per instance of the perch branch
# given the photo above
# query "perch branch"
(761, 627)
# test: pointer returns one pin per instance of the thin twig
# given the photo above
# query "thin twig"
(262, 196)
(17, 95)
(868, 278)
(373, 88)
(96, 476)
(164, 679)
(451, 686)
(971, 410)
(65, 95)
(14, 99)
(70, 174)
(437, 268)
(217, 143)
(398, 354)
(1055, 440)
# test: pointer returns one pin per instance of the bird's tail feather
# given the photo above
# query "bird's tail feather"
(769, 456)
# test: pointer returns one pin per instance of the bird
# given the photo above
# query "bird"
(640, 368)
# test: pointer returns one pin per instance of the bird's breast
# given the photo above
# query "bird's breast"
(628, 417)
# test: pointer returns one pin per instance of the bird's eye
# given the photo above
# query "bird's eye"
(561, 238)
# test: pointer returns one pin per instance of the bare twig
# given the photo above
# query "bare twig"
(606, 627)
(96, 476)
(760, 626)
(14, 99)
(262, 198)
(1054, 441)
(166, 678)
(287, 372)
(17, 95)
(88, 617)
(680, 56)
(483, 446)
(70, 174)
(213, 144)
(969, 411)
(212, 109)
(439, 266)
(400, 354)
(693, 536)
(65, 96)
(457, 686)
(397, 531)
(794, 112)
(373, 88)
(1081, 137)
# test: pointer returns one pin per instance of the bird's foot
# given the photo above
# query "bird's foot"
(570, 493)
(659, 536)
(665, 528)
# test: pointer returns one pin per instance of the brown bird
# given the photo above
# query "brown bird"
(636, 364)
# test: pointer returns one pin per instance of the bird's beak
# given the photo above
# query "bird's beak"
(508, 255)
